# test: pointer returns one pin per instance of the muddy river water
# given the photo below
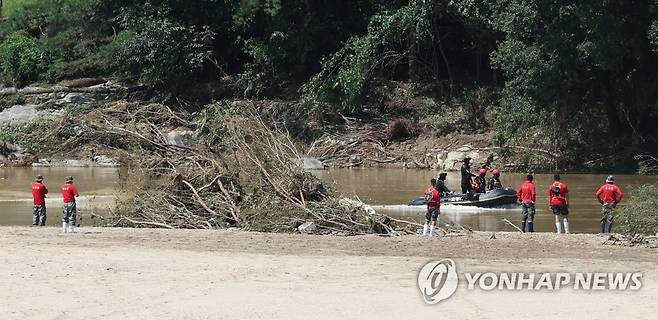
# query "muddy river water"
(96, 185)
(389, 190)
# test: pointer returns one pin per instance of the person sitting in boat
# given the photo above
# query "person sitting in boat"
(494, 182)
(479, 182)
(441, 184)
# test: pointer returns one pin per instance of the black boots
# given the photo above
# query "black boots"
(523, 226)
(531, 226)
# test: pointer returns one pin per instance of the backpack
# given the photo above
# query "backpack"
(555, 191)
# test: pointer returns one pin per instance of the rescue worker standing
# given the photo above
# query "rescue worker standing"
(441, 184)
(527, 195)
(480, 185)
(494, 182)
(433, 199)
(558, 199)
(69, 192)
(609, 195)
(39, 192)
(466, 177)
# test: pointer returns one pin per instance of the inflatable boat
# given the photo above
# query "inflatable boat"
(493, 198)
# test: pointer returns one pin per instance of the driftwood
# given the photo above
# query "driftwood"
(253, 179)
(511, 224)
(59, 89)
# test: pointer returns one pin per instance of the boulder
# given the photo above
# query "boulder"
(75, 163)
(453, 159)
(312, 163)
(105, 161)
(307, 227)
(181, 137)
(20, 114)
(42, 163)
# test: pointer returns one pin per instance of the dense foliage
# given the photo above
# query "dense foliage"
(19, 58)
(577, 79)
(639, 215)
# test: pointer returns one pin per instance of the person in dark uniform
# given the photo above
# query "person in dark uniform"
(441, 184)
(467, 188)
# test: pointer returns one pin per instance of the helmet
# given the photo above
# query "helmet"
(39, 178)
(610, 178)
(495, 172)
(483, 171)
(467, 159)
(69, 179)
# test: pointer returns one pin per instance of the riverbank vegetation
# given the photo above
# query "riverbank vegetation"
(574, 80)
(639, 214)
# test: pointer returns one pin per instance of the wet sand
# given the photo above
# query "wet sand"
(183, 274)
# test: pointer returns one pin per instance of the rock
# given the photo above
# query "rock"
(312, 163)
(453, 159)
(307, 227)
(356, 159)
(181, 137)
(20, 114)
(75, 163)
(105, 161)
(42, 163)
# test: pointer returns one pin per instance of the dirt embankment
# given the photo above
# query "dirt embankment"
(184, 274)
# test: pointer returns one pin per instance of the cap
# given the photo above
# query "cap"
(39, 178)
(69, 179)
(495, 171)
(467, 159)
(610, 178)
(483, 171)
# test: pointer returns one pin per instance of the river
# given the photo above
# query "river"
(97, 188)
(389, 190)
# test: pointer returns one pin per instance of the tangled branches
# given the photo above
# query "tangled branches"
(248, 175)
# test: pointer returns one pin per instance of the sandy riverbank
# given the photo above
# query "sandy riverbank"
(183, 274)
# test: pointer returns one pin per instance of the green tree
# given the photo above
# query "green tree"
(20, 58)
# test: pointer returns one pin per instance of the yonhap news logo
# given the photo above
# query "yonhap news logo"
(438, 280)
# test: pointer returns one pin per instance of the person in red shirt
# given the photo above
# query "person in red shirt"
(609, 195)
(69, 192)
(433, 200)
(558, 199)
(39, 192)
(527, 195)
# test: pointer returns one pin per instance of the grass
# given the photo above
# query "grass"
(9, 6)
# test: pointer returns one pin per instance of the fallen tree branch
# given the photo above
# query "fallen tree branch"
(58, 89)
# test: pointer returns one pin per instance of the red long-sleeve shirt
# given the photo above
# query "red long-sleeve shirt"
(560, 199)
(432, 196)
(69, 192)
(39, 192)
(609, 193)
(527, 193)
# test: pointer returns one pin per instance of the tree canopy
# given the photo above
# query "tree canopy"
(573, 76)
